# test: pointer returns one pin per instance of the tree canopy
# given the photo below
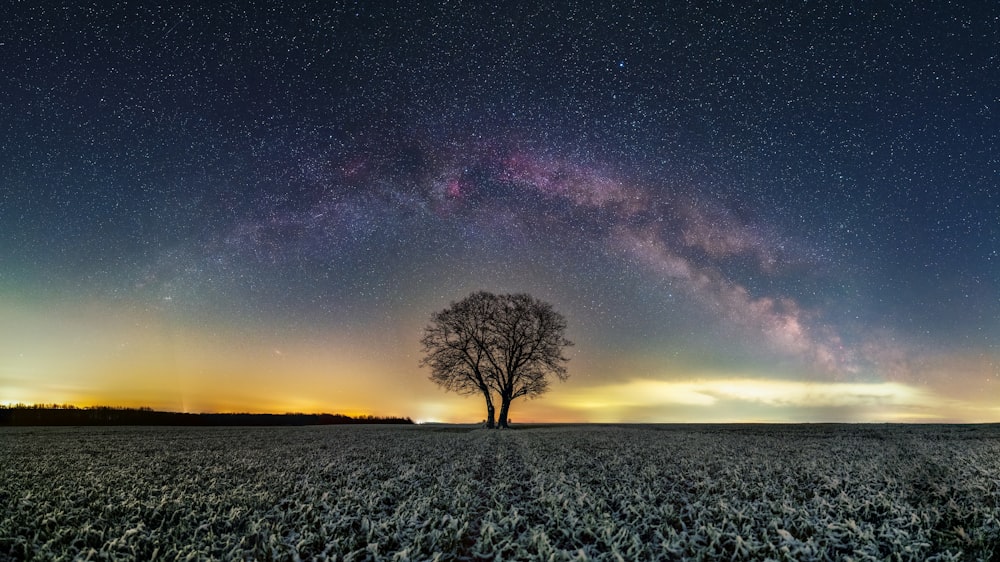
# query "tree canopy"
(500, 346)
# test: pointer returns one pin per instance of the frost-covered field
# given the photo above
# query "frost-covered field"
(546, 493)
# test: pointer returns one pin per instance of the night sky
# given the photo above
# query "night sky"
(745, 212)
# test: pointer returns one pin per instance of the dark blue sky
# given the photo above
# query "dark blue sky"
(805, 193)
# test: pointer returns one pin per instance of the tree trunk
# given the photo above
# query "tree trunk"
(490, 411)
(490, 420)
(504, 410)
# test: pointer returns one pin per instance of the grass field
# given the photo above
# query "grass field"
(784, 492)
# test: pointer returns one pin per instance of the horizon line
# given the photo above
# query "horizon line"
(147, 409)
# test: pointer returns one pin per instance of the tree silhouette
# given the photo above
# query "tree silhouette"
(501, 346)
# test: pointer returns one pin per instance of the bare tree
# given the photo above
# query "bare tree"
(502, 346)
(527, 349)
(453, 347)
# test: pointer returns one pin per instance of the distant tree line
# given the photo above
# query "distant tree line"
(64, 415)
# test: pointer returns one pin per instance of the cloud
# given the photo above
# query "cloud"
(644, 393)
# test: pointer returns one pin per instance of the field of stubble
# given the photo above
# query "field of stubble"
(699, 492)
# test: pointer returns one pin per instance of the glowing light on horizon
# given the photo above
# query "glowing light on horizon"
(742, 399)
(704, 392)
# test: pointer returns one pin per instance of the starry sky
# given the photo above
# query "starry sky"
(746, 212)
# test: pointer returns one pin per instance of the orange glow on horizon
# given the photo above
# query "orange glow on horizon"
(122, 356)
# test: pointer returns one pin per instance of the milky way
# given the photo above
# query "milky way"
(709, 193)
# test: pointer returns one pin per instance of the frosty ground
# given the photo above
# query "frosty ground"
(784, 492)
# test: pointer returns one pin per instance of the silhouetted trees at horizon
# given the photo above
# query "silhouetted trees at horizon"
(67, 415)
